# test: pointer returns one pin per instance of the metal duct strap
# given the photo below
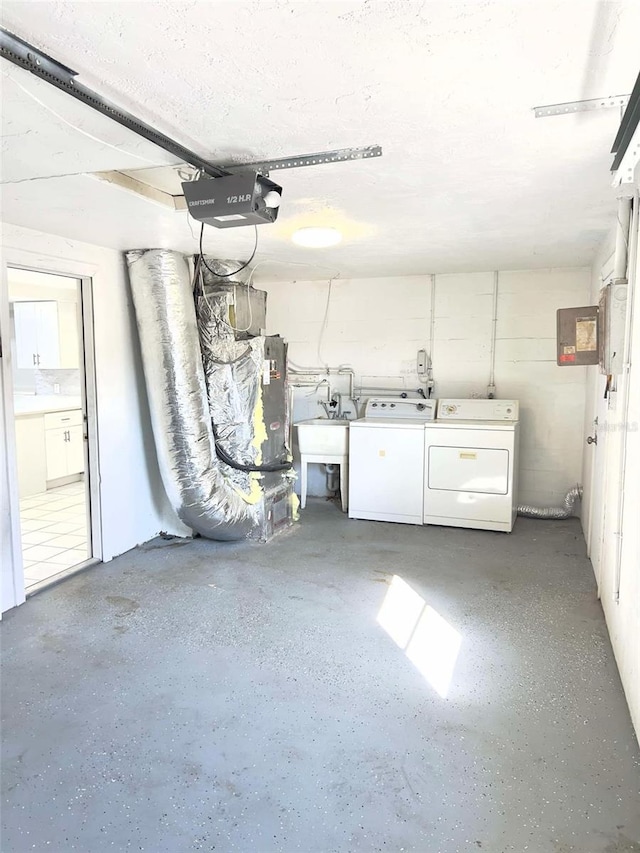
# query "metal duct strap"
(554, 512)
(202, 497)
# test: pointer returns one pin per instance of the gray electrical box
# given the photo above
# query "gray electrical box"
(577, 336)
(612, 316)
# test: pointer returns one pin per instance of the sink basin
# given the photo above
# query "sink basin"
(323, 437)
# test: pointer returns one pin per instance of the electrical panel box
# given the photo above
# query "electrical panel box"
(612, 316)
(577, 336)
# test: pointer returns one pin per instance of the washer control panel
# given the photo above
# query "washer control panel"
(478, 410)
(398, 408)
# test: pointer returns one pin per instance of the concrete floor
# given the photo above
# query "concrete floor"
(203, 696)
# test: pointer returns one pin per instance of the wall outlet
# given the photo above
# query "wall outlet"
(56, 388)
(421, 363)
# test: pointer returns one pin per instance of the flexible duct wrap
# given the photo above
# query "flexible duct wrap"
(554, 513)
(213, 502)
(233, 376)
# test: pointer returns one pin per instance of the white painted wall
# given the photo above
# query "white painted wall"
(133, 500)
(604, 476)
(377, 326)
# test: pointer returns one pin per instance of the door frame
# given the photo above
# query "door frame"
(598, 481)
(597, 425)
(43, 263)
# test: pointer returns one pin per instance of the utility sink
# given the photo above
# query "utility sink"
(321, 436)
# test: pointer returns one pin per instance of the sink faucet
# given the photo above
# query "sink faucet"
(331, 408)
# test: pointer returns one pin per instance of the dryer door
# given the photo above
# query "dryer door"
(469, 477)
(469, 469)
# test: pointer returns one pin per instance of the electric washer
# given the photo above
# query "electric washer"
(386, 459)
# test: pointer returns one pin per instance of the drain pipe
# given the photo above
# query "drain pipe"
(333, 474)
(554, 512)
(432, 330)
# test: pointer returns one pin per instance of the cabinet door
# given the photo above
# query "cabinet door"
(31, 455)
(47, 334)
(56, 444)
(69, 339)
(24, 318)
(75, 450)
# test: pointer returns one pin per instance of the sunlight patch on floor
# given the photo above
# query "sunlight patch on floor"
(428, 640)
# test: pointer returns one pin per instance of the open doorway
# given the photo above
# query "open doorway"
(50, 409)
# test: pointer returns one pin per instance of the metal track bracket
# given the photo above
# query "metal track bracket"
(581, 106)
(337, 156)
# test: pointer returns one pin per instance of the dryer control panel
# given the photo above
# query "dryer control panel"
(400, 408)
(478, 410)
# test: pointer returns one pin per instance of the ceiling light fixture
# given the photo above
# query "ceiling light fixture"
(317, 238)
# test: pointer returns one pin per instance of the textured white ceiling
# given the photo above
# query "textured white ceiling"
(469, 178)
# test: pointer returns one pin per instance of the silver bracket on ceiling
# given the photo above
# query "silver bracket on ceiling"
(337, 156)
(582, 106)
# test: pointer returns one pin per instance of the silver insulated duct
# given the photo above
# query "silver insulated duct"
(203, 497)
(554, 512)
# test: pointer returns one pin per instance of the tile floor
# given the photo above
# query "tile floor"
(54, 531)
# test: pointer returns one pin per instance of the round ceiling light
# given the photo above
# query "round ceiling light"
(317, 238)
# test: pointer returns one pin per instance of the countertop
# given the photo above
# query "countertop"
(41, 404)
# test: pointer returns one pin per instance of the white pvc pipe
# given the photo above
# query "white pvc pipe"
(622, 238)
(432, 329)
(494, 327)
(630, 254)
(298, 370)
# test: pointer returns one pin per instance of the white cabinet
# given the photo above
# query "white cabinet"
(68, 333)
(56, 443)
(64, 440)
(31, 455)
(49, 447)
(26, 336)
(47, 334)
(75, 450)
(37, 334)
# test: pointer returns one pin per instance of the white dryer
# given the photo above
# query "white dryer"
(471, 463)
(386, 460)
